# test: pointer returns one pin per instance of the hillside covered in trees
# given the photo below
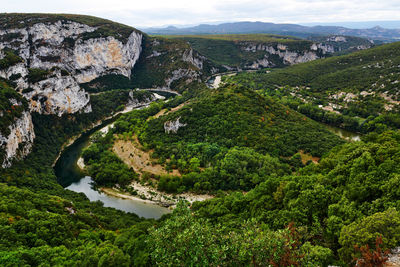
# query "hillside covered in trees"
(282, 189)
(358, 91)
(230, 138)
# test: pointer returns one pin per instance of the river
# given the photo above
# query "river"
(72, 178)
(349, 136)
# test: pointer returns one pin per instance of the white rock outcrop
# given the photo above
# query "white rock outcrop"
(189, 75)
(70, 58)
(19, 142)
(173, 126)
(289, 57)
(194, 60)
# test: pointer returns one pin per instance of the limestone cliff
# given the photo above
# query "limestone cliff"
(19, 142)
(286, 54)
(55, 61)
(56, 56)
(170, 63)
(16, 127)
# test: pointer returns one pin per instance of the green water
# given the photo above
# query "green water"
(349, 136)
(72, 178)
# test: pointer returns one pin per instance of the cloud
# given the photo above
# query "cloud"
(158, 12)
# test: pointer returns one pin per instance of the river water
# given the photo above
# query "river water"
(143, 209)
(72, 178)
(349, 136)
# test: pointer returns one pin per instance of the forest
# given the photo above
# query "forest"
(328, 212)
(358, 91)
(285, 191)
(233, 139)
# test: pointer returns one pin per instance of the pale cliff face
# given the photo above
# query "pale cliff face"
(63, 46)
(288, 57)
(69, 54)
(21, 132)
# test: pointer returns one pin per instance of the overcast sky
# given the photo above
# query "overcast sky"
(147, 13)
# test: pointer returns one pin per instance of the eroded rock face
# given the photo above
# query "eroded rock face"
(173, 126)
(58, 95)
(70, 56)
(288, 56)
(195, 60)
(19, 142)
(188, 74)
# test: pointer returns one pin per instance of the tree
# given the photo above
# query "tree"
(361, 233)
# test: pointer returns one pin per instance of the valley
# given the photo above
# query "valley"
(121, 148)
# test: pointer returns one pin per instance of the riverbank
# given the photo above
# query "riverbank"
(151, 195)
(71, 140)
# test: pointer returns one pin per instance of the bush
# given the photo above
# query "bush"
(36, 75)
(385, 224)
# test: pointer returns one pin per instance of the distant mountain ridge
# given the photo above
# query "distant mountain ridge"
(375, 33)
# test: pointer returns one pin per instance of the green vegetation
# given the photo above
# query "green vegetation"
(160, 58)
(108, 82)
(36, 75)
(351, 43)
(232, 139)
(362, 87)
(329, 202)
(43, 224)
(9, 110)
(243, 143)
(356, 72)
(185, 240)
(265, 38)
(9, 59)
(383, 224)
(105, 167)
(228, 49)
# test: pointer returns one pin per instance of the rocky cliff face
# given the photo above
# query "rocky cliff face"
(170, 63)
(16, 127)
(18, 143)
(56, 57)
(50, 59)
(287, 55)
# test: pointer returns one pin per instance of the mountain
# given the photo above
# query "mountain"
(255, 51)
(57, 62)
(388, 24)
(375, 33)
(343, 44)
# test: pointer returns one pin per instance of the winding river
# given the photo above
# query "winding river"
(72, 178)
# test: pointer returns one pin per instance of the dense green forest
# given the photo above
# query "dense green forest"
(232, 138)
(228, 142)
(43, 224)
(285, 190)
(358, 91)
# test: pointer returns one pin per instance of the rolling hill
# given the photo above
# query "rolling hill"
(246, 27)
(360, 85)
